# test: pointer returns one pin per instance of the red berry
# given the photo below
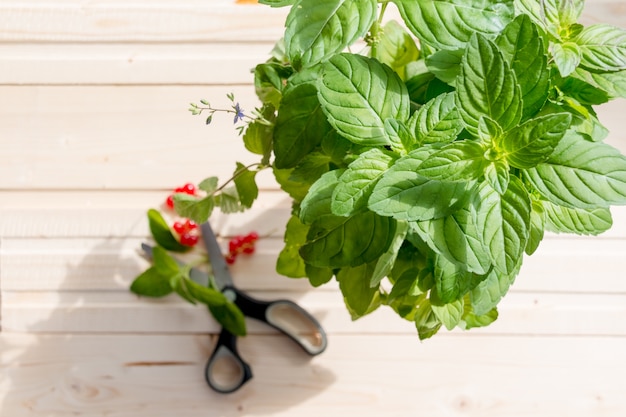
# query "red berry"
(252, 237)
(170, 201)
(248, 249)
(179, 228)
(188, 188)
(188, 239)
(230, 258)
(190, 225)
(235, 244)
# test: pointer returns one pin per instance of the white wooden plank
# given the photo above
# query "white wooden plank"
(116, 137)
(122, 312)
(196, 20)
(110, 264)
(131, 63)
(147, 21)
(162, 375)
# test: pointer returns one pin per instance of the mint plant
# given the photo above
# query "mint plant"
(427, 157)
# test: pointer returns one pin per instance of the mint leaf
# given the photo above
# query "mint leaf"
(318, 276)
(567, 56)
(301, 125)
(602, 47)
(354, 284)
(357, 182)
(245, 184)
(488, 293)
(437, 121)
(289, 262)
(470, 320)
(457, 161)
(400, 189)
(579, 221)
(348, 242)
(533, 142)
(426, 322)
(537, 227)
(318, 29)
(614, 83)
(449, 25)
(396, 48)
(278, 3)
(487, 86)
(581, 174)
(525, 52)
(385, 263)
(497, 175)
(445, 64)
(318, 200)
(358, 94)
(449, 314)
(205, 295)
(162, 233)
(151, 283)
(551, 15)
(452, 281)
(505, 222)
(457, 238)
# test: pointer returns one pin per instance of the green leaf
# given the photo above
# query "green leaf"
(311, 168)
(449, 314)
(452, 281)
(355, 287)
(614, 83)
(348, 242)
(537, 227)
(488, 293)
(426, 322)
(230, 317)
(228, 201)
(208, 185)
(385, 263)
(457, 161)
(445, 64)
(406, 195)
(437, 121)
(487, 86)
(561, 219)
(289, 262)
(551, 15)
(317, 202)
(318, 276)
(269, 82)
(446, 24)
(566, 56)
(583, 92)
(457, 238)
(581, 174)
(357, 182)
(318, 29)
(162, 233)
(296, 190)
(194, 208)
(258, 138)
(357, 95)
(246, 185)
(151, 283)
(497, 175)
(471, 320)
(524, 50)
(205, 295)
(396, 48)
(301, 125)
(405, 286)
(533, 142)
(602, 47)
(505, 223)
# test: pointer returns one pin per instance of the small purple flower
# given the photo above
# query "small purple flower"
(238, 113)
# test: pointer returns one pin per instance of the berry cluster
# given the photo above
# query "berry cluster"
(187, 231)
(241, 244)
(188, 188)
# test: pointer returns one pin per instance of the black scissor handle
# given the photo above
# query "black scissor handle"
(226, 354)
(287, 317)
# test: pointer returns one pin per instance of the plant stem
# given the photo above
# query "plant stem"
(375, 30)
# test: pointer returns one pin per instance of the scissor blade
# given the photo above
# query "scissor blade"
(195, 274)
(218, 263)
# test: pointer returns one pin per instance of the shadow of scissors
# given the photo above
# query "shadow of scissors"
(283, 315)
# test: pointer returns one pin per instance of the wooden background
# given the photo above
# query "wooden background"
(94, 130)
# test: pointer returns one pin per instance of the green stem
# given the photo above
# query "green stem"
(375, 30)
(239, 172)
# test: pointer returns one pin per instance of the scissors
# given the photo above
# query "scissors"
(283, 315)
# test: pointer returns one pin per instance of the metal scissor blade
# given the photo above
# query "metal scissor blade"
(218, 263)
(195, 274)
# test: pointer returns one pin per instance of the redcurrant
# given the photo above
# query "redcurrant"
(179, 228)
(188, 239)
(235, 244)
(169, 202)
(189, 188)
(230, 258)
